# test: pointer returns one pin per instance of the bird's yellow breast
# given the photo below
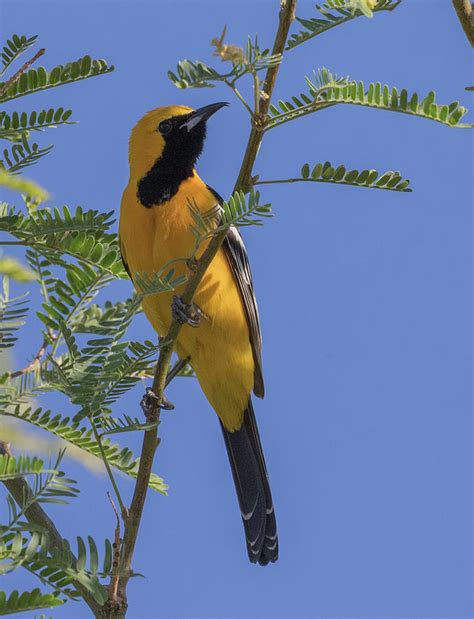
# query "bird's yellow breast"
(219, 348)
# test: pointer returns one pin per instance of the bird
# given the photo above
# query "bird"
(221, 336)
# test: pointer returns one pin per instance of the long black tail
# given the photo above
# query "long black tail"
(253, 489)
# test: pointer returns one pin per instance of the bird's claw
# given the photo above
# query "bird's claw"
(185, 314)
(151, 404)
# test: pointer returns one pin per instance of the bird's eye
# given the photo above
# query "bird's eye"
(165, 126)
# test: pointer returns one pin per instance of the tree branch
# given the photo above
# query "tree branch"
(113, 602)
(21, 492)
(465, 12)
(287, 15)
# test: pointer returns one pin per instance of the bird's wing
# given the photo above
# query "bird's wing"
(124, 262)
(236, 253)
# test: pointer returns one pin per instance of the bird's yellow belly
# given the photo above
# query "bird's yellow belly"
(219, 349)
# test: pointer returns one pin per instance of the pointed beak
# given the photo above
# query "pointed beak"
(202, 114)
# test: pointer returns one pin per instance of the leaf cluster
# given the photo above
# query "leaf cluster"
(17, 602)
(74, 257)
(57, 566)
(327, 90)
(326, 173)
(251, 60)
(14, 126)
(13, 310)
(57, 235)
(332, 13)
(35, 80)
(82, 436)
(324, 90)
(13, 48)
(240, 210)
(50, 485)
(17, 125)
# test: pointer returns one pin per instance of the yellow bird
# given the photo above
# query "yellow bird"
(221, 333)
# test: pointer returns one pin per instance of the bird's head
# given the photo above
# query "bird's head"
(165, 144)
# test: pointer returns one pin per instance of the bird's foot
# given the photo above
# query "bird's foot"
(185, 314)
(151, 404)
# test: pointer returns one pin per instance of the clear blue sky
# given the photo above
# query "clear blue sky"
(366, 311)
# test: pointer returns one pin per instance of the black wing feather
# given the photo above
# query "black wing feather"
(236, 253)
(124, 262)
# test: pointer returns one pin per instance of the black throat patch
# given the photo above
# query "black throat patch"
(182, 149)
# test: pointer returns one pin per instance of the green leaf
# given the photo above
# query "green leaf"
(13, 126)
(22, 155)
(328, 90)
(49, 485)
(157, 283)
(197, 74)
(14, 48)
(326, 173)
(82, 437)
(57, 566)
(82, 235)
(317, 170)
(67, 297)
(334, 13)
(14, 468)
(27, 601)
(243, 210)
(12, 312)
(239, 210)
(322, 81)
(107, 367)
(96, 319)
(39, 79)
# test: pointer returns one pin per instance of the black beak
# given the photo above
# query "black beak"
(202, 114)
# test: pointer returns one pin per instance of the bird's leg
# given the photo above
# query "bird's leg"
(151, 404)
(185, 314)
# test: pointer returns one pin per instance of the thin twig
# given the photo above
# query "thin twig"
(36, 360)
(239, 96)
(256, 92)
(287, 15)
(117, 546)
(20, 490)
(465, 12)
(98, 438)
(14, 78)
(280, 181)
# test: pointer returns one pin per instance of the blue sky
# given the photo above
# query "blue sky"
(365, 301)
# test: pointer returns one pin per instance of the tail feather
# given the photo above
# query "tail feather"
(253, 489)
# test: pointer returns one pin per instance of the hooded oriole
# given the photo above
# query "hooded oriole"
(225, 350)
